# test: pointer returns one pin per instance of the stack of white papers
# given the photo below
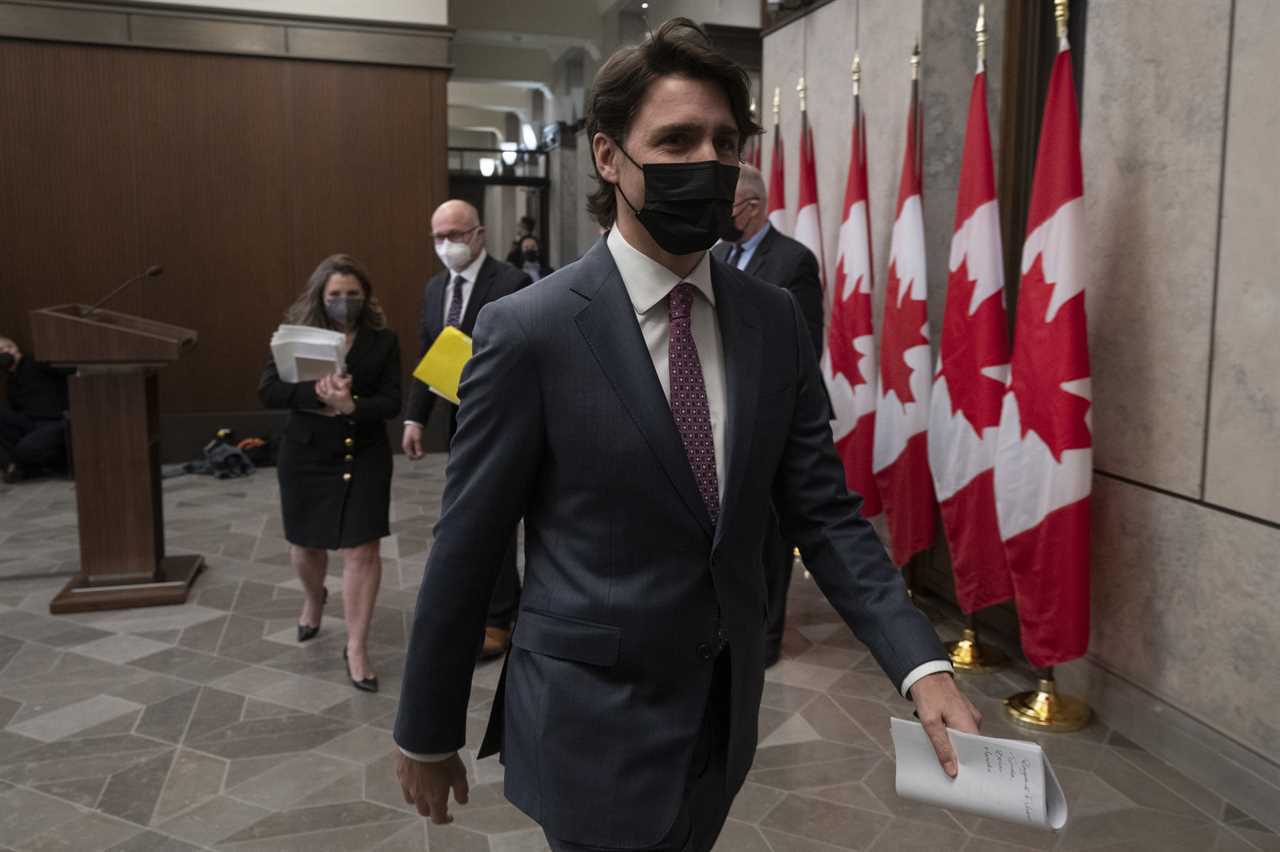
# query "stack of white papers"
(1005, 779)
(307, 354)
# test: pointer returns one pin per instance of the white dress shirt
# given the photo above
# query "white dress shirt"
(469, 276)
(648, 283)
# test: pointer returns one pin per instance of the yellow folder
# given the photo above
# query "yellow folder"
(441, 368)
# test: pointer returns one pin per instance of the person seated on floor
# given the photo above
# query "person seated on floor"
(33, 419)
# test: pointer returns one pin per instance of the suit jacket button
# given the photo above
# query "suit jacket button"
(704, 651)
(346, 477)
(350, 442)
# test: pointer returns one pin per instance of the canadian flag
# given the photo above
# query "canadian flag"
(973, 370)
(808, 224)
(777, 184)
(849, 359)
(1044, 458)
(900, 452)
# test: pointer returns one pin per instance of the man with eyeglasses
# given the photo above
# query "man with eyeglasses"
(775, 258)
(454, 296)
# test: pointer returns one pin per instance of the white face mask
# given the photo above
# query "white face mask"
(456, 256)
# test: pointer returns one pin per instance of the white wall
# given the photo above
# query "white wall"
(390, 11)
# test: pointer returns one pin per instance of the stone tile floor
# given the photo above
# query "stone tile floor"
(206, 727)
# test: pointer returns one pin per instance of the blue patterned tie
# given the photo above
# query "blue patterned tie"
(454, 317)
(689, 398)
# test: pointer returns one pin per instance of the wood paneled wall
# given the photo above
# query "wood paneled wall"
(238, 174)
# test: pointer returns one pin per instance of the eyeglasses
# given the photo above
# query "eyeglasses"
(453, 236)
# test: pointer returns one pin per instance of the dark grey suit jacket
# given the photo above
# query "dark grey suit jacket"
(628, 583)
(788, 263)
(494, 280)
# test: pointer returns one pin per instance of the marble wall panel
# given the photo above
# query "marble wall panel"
(821, 46)
(1243, 468)
(1184, 606)
(1152, 113)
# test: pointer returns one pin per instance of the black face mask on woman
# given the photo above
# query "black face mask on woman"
(344, 311)
(687, 206)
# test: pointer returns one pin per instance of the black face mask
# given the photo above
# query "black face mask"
(531, 256)
(687, 206)
(344, 311)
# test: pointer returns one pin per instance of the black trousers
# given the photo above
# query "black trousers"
(778, 556)
(32, 442)
(706, 801)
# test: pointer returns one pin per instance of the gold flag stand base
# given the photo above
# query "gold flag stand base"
(967, 655)
(1045, 710)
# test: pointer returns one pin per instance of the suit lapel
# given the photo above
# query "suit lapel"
(761, 252)
(479, 293)
(435, 304)
(740, 336)
(608, 323)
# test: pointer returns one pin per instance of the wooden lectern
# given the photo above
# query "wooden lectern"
(115, 439)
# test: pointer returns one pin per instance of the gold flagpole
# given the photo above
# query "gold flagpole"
(1043, 708)
(968, 654)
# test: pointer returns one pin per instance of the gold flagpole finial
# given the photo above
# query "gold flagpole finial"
(800, 90)
(777, 104)
(1060, 13)
(980, 32)
(915, 61)
(856, 73)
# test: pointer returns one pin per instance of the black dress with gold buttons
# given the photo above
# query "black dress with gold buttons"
(335, 472)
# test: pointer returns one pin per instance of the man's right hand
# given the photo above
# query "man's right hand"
(411, 443)
(426, 785)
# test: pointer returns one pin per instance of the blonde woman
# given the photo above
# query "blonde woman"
(335, 460)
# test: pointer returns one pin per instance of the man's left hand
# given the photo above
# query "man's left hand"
(940, 705)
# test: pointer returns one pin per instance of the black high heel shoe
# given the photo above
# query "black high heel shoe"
(369, 684)
(305, 631)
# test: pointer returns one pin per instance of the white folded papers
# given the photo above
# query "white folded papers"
(1003, 779)
(307, 354)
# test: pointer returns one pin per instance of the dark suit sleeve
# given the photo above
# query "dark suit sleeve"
(421, 399)
(384, 403)
(806, 285)
(840, 548)
(274, 392)
(492, 464)
(525, 280)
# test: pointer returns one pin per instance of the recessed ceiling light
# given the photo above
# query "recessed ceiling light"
(644, 5)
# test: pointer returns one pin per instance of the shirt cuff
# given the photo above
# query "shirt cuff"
(922, 670)
(413, 423)
(427, 758)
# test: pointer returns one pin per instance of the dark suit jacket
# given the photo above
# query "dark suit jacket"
(495, 280)
(628, 585)
(780, 260)
(37, 389)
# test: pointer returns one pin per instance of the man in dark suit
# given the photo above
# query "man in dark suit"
(772, 256)
(33, 425)
(640, 409)
(454, 296)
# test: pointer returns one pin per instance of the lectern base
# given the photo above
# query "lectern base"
(171, 586)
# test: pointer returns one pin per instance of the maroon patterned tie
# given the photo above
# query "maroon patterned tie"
(689, 398)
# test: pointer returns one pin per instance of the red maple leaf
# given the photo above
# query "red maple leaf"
(904, 322)
(969, 344)
(850, 319)
(1045, 355)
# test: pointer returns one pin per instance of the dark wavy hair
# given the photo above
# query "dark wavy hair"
(679, 47)
(309, 307)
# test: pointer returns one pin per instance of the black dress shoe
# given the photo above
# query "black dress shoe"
(369, 684)
(305, 631)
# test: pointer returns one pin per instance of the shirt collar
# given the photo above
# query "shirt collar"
(472, 271)
(647, 281)
(751, 244)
